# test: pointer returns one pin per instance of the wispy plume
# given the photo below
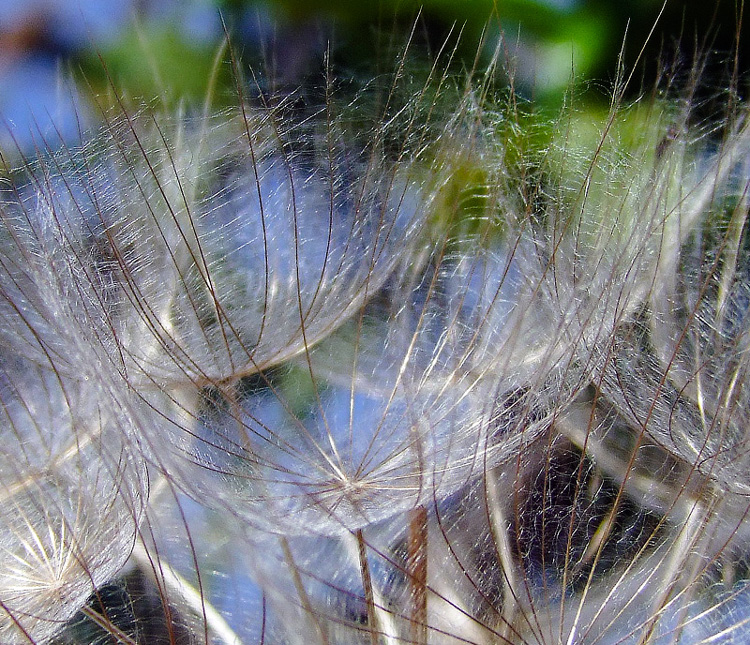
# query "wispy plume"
(376, 371)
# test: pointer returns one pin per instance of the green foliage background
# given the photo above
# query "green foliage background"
(548, 41)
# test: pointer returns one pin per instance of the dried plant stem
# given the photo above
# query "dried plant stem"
(676, 569)
(731, 251)
(364, 566)
(501, 537)
(304, 598)
(106, 625)
(379, 620)
(417, 572)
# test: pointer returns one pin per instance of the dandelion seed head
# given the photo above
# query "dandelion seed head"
(431, 386)
(71, 494)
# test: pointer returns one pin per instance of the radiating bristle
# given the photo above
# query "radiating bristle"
(377, 371)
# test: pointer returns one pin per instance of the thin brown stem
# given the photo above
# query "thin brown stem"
(364, 566)
(417, 570)
(304, 598)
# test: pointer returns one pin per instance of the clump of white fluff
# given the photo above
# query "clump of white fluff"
(435, 387)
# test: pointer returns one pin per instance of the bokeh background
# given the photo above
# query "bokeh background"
(59, 59)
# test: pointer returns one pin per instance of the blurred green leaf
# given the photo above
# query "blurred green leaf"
(154, 60)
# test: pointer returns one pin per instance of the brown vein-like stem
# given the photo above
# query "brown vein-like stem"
(417, 570)
(372, 622)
